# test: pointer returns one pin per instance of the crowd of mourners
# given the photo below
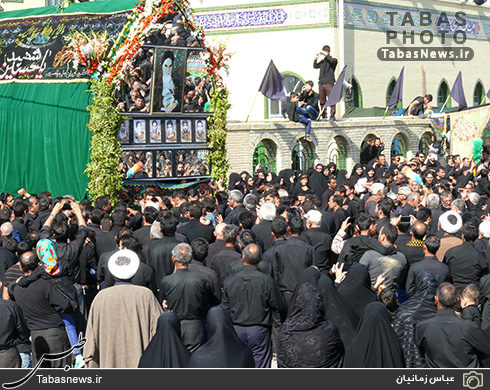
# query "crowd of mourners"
(383, 266)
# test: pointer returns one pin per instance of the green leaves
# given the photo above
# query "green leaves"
(105, 150)
(217, 132)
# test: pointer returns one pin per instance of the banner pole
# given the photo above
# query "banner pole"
(255, 98)
(444, 105)
(385, 112)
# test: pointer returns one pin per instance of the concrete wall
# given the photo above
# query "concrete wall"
(243, 138)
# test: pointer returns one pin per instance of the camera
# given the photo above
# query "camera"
(472, 379)
(67, 206)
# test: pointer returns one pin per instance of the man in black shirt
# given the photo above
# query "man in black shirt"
(162, 243)
(235, 201)
(327, 64)
(41, 303)
(466, 263)
(250, 297)
(194, 228)
(189, 295)
(227, 255)
(291, 259)
(417, 105)
(447, 341)
(319, 240)
(199, 252)
(308, 101)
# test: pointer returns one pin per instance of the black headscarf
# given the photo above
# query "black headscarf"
(356, 288)
(166, 349)
(306, 338)
(376, 344)
(341, 177)
(420, 306)
(338, 310)
(285, 175)
(223, 349)
(354, 177)
(234, 180)
(318, 182)
(309, 275)
(329, 166)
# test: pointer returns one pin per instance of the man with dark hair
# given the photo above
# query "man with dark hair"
(291, 259)
(199, 252)
(68, 251)
(338, 213)
(32, 211)
(332, 186)
(150, 214)
(447, 341)
(194, 228)
(418, 105)
(41, 303)
(466, 263)
(189, 295)
(290, 108)
(391, 266)
(20, 209)
(327, 64)
(103, 203)
(428, 264)
(162, 242)
(227, 255)
(382, 211)
(105, 241)
(94, 222)
(364, 227)
(308, 101)
(251, 297)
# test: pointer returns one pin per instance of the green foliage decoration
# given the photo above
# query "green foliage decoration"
(105, 150)
(217, 132)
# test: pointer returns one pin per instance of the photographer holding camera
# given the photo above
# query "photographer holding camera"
(327, 64)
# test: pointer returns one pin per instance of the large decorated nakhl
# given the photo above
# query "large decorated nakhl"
(147, 130)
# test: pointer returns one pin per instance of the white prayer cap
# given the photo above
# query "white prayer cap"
(123, 264)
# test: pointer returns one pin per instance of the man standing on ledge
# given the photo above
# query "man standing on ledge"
(327, 64)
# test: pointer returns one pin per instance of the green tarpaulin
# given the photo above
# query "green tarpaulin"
(44, 139)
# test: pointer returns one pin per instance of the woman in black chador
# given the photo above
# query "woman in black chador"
(166, 349)
(223, 349)
(376, 344)
(307, 339)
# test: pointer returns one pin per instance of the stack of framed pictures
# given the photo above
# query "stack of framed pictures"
(164, 133)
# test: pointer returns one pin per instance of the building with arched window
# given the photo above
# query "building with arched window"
(443, 95)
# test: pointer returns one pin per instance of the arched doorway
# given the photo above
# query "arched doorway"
(425, 142)
(389, 93)
(443, 94)
(302, 155)
(353, 95)
(265, 153)
(399, 145)
(338, 152)
(478, 94)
